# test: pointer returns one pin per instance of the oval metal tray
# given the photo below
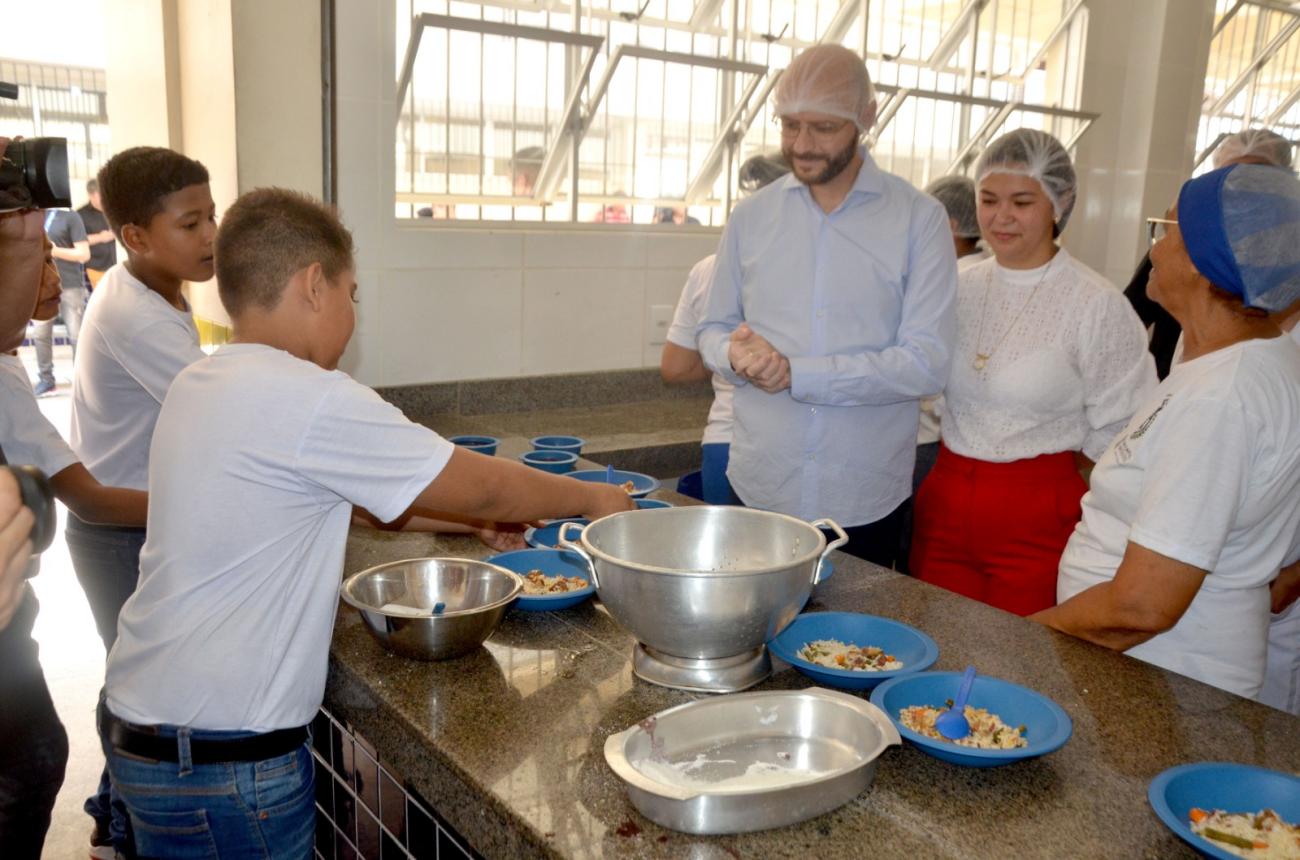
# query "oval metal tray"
(750, 761)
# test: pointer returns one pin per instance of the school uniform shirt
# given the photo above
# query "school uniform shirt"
(258, 458)
(686, 318)
(27, 436)
(1207, 473)
(1067, 362)
(132, 345)
(860, 300)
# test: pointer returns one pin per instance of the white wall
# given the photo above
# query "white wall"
(440, 302)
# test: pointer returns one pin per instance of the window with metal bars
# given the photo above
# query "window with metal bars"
(1252, 77)
(60, 101)
(658, 102)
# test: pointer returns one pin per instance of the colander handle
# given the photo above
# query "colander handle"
(840, 540)
(576, 547)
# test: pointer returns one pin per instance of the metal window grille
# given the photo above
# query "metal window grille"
(60, 101)
(1252, 77)
(658, 102)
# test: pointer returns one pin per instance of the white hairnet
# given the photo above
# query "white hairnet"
(1038, 155)
(1255, 143)
(957, 194)
(827, 79)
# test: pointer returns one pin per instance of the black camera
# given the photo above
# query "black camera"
(33, 172)
(39, 498)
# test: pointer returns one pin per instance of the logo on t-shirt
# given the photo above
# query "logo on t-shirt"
(1150, 419)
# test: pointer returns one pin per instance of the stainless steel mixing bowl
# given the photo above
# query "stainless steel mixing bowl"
(475, 596)
(703, 582)
(692, 768)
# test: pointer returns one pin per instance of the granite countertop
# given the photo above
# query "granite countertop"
(507, 743)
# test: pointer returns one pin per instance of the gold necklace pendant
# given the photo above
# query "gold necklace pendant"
(981, 360)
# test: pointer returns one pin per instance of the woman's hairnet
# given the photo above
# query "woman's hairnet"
(957, 194)
(1038, 155)
(760, 170)
(1241, 227)
(1260, 143)
(827, 79)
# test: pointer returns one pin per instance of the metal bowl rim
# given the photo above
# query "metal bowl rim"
(455, 613)
(719, 574)
(616, 744)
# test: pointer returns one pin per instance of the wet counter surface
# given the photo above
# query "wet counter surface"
(507, 743)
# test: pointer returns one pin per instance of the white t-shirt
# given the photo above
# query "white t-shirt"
(690, 310)
(132, 345)
(1206, 473)
(258, 459)
(27, 436)
(1066, 368)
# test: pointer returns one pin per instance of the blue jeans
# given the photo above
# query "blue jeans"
(233, 809)
(107, 562)
(713, 471)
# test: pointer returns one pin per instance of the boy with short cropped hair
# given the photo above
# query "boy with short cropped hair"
(137, 334)
(222, 653)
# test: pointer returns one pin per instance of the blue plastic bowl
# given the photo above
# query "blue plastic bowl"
(1220, 785)
(557, 462)
(572, 444)
(651, 504)
(552, 562)
(1047, 727)
(482, 444)
(642, 485)
(548, 536)
(917, 651)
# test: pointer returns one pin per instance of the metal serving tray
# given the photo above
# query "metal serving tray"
(750, 761)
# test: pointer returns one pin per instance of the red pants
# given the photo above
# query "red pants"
(994, 532)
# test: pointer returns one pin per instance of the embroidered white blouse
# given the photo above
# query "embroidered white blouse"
(1067, 362)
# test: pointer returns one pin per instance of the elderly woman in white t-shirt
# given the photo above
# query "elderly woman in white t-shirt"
(1195, 507)
(1050, 362)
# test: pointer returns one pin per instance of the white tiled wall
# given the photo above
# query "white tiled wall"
(439, 302)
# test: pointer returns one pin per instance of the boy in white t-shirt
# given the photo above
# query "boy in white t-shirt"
(222, 651)
(137, 334)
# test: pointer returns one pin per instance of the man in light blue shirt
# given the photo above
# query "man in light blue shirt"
(832, 310)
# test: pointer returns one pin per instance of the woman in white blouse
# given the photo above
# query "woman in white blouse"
(1050, 363)
(1195, 506)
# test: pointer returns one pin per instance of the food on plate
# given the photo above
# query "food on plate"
(834, 654)
(536, 582)
(629, 487)
(987, 731)
(1248, 834)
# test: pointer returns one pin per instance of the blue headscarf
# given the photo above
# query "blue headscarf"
(1241, 226)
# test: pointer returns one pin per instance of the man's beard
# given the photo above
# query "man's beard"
(834, 165)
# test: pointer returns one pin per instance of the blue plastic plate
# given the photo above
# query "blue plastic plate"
(1221, 785)
(651, 504)
(642, 484)
(916, 650)
(572, 444)
(1047, 727)
(552, 562)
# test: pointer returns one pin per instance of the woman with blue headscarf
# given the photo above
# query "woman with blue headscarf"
(1195, 506)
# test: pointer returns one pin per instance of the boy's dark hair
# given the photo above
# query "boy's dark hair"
(266, 236)
(133, 183)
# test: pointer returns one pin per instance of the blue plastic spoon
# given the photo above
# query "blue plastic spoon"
(609, 473)
(952, 723)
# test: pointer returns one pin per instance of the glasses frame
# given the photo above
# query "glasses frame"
(819, 135)
(1153, 227)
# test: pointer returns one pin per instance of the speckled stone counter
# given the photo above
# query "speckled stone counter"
(507, 743)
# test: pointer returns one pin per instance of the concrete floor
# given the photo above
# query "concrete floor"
(71, 653)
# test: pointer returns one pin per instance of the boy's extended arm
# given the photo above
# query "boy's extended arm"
(94, 503)
(496, 490)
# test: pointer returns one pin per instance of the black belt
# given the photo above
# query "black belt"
(146, 742)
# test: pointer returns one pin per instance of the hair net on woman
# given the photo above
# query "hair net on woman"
(760, 170)
(1241, 227)
(1038, 155)
(957, 194)
(827, 79)
(1257, 143)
